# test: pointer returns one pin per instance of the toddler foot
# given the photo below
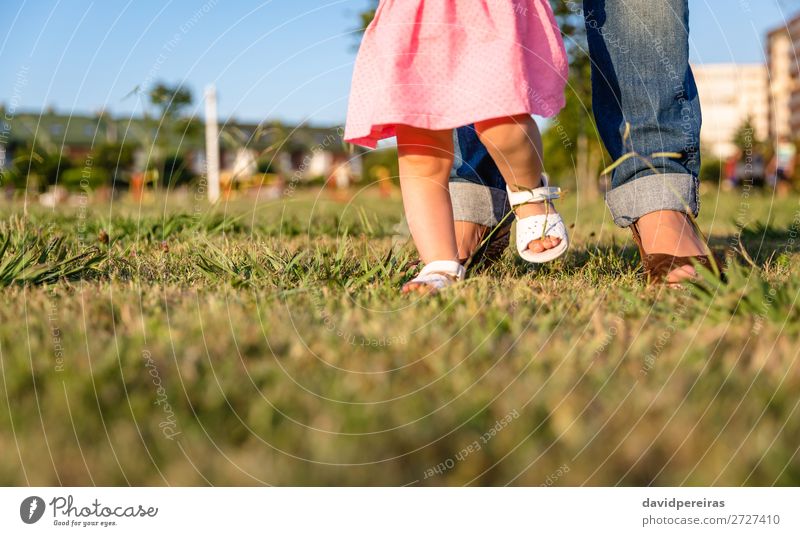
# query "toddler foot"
(435, 276)
(537, 209)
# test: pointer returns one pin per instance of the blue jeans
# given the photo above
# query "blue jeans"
(639, 51)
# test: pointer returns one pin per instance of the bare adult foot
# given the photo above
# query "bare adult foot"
(469, 236)
(671, 232)
(474, 247)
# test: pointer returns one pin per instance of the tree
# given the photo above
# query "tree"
(745, 138)
(37, 163)
(170, 101)
(585, 156)
(365, 17)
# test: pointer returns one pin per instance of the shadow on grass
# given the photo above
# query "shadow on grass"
(762, 242)
(594, 262)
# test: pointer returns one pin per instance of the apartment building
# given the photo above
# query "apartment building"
(730, 94)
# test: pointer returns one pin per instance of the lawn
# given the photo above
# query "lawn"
(267, 343)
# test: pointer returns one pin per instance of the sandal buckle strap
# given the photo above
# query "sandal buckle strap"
(537, 195)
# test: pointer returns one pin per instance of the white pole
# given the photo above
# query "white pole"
(212, 144)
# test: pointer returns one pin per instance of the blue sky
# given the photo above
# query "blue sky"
(284, 59)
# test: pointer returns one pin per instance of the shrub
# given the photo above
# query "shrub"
(267, 165)
(93, 178)
(113, 156)
(176, 171)
(711, 170)
(386, 158)
(12, 177)
(47, 167)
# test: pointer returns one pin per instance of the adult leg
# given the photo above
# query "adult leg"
(641, 77)
(478, 194)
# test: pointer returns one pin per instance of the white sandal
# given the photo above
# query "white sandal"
(537, 227)
(438, 275)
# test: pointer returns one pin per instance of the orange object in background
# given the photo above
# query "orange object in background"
(137, 185)
(226, 180)
(383, 177)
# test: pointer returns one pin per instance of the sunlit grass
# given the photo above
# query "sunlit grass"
(287, 355)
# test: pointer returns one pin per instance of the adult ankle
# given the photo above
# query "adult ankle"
(670, 232)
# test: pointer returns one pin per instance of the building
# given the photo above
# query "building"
(781, 82)
(784, 74)
(302, 152)
(730, 95)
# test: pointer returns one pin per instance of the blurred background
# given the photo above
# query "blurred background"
(112, 98)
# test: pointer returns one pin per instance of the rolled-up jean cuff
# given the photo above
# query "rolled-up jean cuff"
(634, 199)
(478, 203)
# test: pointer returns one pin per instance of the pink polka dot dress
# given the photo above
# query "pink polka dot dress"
(442, 64)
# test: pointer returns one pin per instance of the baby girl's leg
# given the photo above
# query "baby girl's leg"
(516, 147)
(425, 160)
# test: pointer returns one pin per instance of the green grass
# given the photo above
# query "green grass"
(267, 343)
